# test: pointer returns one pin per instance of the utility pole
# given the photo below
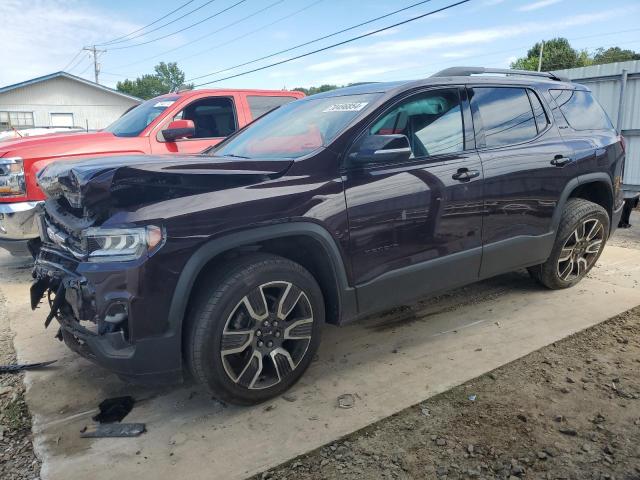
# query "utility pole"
(96, 66)
(539, 58)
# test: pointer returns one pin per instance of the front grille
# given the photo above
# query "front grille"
(62, 238)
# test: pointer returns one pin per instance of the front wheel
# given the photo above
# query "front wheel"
(255, 329)
(582, 234)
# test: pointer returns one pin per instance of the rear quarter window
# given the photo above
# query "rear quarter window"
(581, 110)
(259, 105)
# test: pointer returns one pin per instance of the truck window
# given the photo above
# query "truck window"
(261, 104)
(580, 110)
(213, 117)
(506, 115)
(132, 123)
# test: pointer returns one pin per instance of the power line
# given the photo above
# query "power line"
(353, 39)
(72, 60)
(456, 61)
(182, 29)
(78, 63)
(324, 37)
(119, 39)
(167, 23)
(207, 35)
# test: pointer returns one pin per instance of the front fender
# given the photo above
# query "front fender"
(215, 247)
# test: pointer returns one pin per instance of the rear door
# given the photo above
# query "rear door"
(526, 167)
(415, 226)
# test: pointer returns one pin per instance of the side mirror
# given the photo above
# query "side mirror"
(383, 149)
(179, 129)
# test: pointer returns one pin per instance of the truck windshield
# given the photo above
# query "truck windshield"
(295, 129)
(132, 123)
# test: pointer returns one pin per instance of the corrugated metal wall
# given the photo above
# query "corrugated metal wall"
(605, 82)
(90, 106)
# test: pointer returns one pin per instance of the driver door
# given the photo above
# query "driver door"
(214, 118)
(415, 226)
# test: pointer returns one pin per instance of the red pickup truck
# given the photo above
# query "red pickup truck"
(183, 122)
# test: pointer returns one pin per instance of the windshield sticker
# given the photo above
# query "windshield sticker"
(346, 107)
(164, 104)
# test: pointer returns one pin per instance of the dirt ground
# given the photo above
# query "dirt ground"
(17, 460)
(568, 411)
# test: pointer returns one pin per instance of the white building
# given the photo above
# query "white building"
(61, 100)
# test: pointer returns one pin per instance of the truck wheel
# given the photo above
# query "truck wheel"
(255, 329)
(582, 234)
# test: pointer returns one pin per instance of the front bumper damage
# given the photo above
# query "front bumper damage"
(94, 312)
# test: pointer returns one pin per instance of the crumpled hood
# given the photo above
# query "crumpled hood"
(139, 179)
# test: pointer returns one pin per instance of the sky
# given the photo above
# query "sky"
(45, 36)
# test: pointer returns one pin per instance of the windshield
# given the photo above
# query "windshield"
(295, 129)
(132, 123)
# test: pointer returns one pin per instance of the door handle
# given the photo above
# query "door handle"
(560, 161)
(464, 174)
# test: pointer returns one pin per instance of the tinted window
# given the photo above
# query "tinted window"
(581, 111)
(259, 105)
(538, 111)
(213, 117)
(506, 115)
(432, 121)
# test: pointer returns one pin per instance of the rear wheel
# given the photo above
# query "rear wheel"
(583, 232)
(255, 329)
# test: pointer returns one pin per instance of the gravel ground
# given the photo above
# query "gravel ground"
(568, 411)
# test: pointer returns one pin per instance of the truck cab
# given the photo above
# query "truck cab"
(175, 123)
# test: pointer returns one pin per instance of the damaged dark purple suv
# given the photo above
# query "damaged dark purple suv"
(327, 209)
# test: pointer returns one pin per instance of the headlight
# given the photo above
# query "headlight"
(12, 182)
(121, 244)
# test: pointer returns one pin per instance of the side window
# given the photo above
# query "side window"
(506, 115)
(259, 105)
(580, 110)
(213, 117)
(538, 111)
(432, 121)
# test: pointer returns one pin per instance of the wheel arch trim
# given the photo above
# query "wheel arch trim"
(572, 185)
(220, 245)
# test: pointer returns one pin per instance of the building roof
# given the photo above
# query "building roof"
(70, 77)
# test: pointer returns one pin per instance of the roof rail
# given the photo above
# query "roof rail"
(468, 71)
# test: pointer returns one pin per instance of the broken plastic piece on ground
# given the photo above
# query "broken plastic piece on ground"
(24, 366)
(113, 410)
(104, 430)
(346, 400)
(473, 397)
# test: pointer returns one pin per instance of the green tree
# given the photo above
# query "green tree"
(167, 78)
(556, 55)
(614, 54)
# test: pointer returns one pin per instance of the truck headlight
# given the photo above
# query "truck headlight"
(121, 244)
(12, 183)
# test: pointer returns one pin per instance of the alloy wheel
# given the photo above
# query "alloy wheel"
(267, 335)
(581, 249)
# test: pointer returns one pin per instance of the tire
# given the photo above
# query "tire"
(249, 337)
(564, 269)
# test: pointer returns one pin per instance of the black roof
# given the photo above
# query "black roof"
(398, 86)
